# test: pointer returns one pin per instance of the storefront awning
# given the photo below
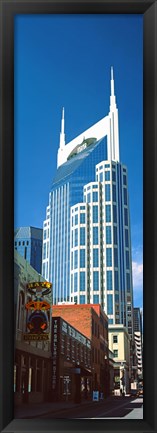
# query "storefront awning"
(81, 370)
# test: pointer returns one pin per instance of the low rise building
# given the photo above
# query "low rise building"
(32, 361)
(92, 322)
(119, 344)
(71, 362)
(138, 340)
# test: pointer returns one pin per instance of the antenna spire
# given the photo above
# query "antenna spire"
(62, 133)
(112, 97)
(113, 140)
(112, 82)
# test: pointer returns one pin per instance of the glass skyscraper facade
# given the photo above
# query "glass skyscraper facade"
(101, 264)
(86, 234)
(67, 189)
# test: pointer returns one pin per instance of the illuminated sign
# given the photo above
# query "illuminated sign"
(54, 351)
(38, 305)
(42, 284)
(38, 317)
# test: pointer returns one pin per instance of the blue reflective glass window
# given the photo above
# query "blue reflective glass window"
(107, 165)
(82, 235)
(128, 282)
(95, 299)
(107, 175)
(126, 217)
(75, 282)
(108, 213)
(109, 304)
(82, 258)
(109, 280)
(124, 179)
(82, 207)
(127, 260)
(101, 177)
(95, 280)
(109, 256)
(116, 257)
(44, 234)
(95, 214)
(115, 234)
(116, 282)
(44, 252)
(113, 175)
(95, 235)
(82, 281)
(82, 218)
(108, 235)
(72, 261)
(75, 259)
(125, 195)
(76, 237)
(114, 213)
(126, 238)
(114, 192)
(116, 298)
(82, 299)
(95, 196)
(72, 221)
(95, 257)
(107, 192)
(110, 321)
(76, 219)
(88, 197)
(44, 270)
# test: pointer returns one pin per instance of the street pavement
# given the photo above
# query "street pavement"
(111, 407)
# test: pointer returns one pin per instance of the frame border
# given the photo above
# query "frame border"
(8, 9)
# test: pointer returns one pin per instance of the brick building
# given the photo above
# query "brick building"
(92, 322)
(71, 362)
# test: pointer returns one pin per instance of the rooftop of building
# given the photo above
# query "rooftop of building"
(96, 307)
(118, 328)
(73, 332)
(74, 162)
(28, 232)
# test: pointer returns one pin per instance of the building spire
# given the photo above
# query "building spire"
(113, 137)
(112, 97)
(62, 134)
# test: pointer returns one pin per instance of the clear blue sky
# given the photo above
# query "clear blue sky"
(65, 60)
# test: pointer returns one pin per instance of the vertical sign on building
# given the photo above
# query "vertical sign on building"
(55, 338)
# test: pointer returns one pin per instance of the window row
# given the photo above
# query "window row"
(19, 243)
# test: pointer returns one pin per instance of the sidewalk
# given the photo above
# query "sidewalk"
(36, 409)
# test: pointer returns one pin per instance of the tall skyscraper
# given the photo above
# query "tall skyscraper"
(87, 243)
(28, 243)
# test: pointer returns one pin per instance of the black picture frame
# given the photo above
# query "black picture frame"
(8, 9)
